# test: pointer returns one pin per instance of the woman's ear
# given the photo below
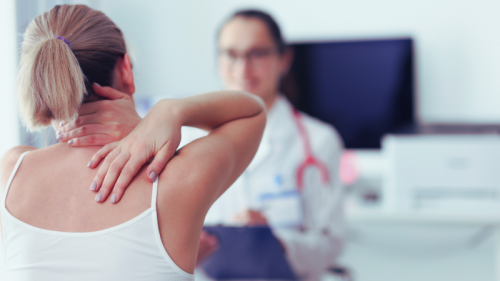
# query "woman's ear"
(127, 76)
(286, 61)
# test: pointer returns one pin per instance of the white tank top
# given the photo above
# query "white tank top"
(130, 251)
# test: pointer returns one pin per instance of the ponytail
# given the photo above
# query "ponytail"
(63, 52)
(51, 84)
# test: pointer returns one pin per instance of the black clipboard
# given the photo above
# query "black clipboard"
(247, 253)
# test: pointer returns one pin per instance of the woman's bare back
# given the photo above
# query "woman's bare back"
(51, 190)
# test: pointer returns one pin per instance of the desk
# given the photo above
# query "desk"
(358, 214)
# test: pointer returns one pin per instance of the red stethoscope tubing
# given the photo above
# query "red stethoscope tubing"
(310, 160)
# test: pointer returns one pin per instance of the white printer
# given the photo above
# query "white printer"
(442, 173)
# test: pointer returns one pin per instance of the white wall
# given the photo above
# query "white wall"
(9, 124)
(458, 44)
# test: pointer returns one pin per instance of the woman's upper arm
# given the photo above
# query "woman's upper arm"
(199, 173)
(214, 162)
(209, 165)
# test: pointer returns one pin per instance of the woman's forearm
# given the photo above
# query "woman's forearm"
(211, 110)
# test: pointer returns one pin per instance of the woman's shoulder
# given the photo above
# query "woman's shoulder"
(9, 160)
(10, 157)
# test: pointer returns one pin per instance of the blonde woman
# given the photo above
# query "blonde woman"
(297, 162)
(51, 227)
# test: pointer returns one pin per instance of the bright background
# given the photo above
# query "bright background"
(457, 44)
(458, 61)
(173, 44)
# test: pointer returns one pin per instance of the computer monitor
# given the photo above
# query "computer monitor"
(364, 88)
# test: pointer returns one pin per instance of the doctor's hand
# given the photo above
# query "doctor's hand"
(101, 122)
(250, 218)
(156, 137)
(208, 245)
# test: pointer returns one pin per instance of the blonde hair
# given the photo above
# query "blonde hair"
(63, 52)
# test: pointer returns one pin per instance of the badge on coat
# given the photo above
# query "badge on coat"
(282, 208)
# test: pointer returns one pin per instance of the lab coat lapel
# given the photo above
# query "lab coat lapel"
(283, 127)
(263, 152)
(279, 129)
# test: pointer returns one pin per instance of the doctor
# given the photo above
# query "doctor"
(293, 183)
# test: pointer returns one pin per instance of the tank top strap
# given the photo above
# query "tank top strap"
(4, 198)
(154, 194)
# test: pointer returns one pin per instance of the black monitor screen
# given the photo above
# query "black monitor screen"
(363, 88)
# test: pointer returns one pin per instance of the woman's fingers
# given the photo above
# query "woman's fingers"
(89, 108)
(111, 175)
(108, 92)
(160, 161)
(101, 173)
(101, 154)
(85, 130)
(99, 139)
(134, 164)
(80, 121)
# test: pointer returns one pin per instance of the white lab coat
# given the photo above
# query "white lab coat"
(313, 244)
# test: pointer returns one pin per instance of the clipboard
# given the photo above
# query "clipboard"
(247, 253)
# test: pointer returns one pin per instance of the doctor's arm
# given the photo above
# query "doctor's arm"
(315, 248)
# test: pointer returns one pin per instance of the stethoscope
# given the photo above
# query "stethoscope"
(309, 160)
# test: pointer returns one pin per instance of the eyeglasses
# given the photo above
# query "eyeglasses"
(256, 58)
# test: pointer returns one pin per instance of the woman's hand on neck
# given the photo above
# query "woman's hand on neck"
(108, 119)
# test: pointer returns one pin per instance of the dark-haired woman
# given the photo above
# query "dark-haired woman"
(293, 183)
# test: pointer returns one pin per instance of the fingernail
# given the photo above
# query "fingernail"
(97, 84)
(153, 175)
(98, 197)
(58, 132)
(70, 142)
(90, 163)
(113, 198)
(61, 123)
(93, 187)
(60, 137)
